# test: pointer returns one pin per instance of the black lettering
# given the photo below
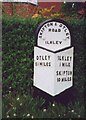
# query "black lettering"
(62, 57)
(63, 27)
(43, 29)
(40, 36)
(40, 33)
(58, 79)
(55, 30)
(67, 33)
(49, 63)
(52, 30)
(45, 57)
(48, 57)
(40, 63)
(63, 79)
(60, 42)
(49, 30)
(58, 72)
(45, 26)
(48, 25)
(59, 57)
(59, 30)
(50, 42)
(65, 64)
(37, 57)
(60, 25)
(51, 24)
(65, 30)
(56, 42)
(35, 63)
(42, 57)
(66, 79)
(55, 24)
(67, 37)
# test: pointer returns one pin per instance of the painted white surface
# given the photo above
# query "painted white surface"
(54, 36)
(45, 77)
(27, 1)
(66, 71)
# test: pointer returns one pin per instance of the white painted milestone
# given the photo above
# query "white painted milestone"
(54, 36)
(53, 69)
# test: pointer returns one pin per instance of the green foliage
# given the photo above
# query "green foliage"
(18, 46)
(18, 42)
(23, 106)
(72, 8)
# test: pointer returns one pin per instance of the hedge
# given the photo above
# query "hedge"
(18, 41)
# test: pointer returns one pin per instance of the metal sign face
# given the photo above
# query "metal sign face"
(54, 35)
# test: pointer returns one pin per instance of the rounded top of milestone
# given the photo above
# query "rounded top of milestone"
(54, 35)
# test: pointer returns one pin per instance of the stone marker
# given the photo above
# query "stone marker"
(54, 35)
(53, 57)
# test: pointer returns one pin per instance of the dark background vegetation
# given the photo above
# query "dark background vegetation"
(20, 98)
